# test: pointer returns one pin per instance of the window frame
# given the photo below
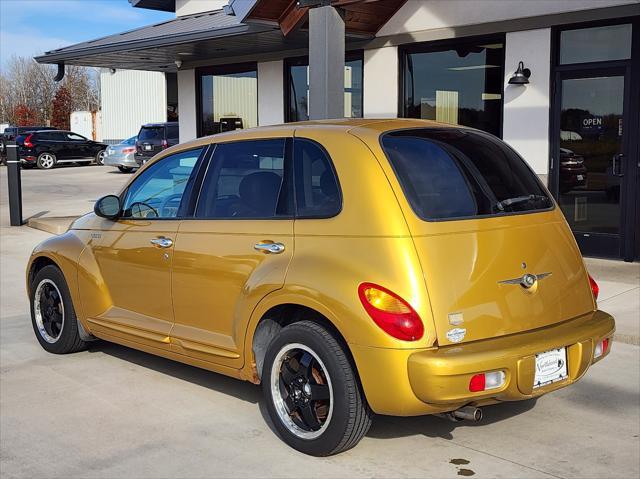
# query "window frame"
(472, 217)
(190, 188)
(444, 45)
(219, 70)
(302, 61)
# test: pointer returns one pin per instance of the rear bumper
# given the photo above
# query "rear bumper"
(437, 380)
(120, 160)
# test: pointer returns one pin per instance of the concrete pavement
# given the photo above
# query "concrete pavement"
(112, 411)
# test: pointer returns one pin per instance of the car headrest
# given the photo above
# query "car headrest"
(260, 191)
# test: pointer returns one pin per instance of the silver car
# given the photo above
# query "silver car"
(122, 155)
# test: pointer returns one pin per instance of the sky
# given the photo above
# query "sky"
(31, 27)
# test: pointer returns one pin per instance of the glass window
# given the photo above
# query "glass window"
(245, 180)
(453, 173)
(151, 133)
(298, 79)
(130, 141)
(75, 137)
(158, 191)
(228, 99)
(173, 132)
(317, 190)
(612, 42)
(459, 85)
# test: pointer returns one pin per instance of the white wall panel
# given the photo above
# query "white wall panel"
(381, 83)
(270, 93)
(129, 99)
(187, 7)
(526, 108)
(187, 105)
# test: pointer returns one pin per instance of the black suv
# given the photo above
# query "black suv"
(46, 148)
(12, 132)
(155, 137)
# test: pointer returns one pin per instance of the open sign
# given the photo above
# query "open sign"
(591, 123)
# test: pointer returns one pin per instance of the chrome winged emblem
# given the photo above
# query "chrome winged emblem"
(527, 280)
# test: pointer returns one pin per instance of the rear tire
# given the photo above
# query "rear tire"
(125, 169)
(100, 156)
(52, 315)
(46, 161)
(317, 408)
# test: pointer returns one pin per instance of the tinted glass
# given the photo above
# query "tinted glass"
(130, 141)
(244, 180)
(317, 191)
(151, 133)
(229, 101)
(172, 132)
(459, 86)
(298, 73)
(158, 191)
(75, 137)
(612, 42)
(448, 174)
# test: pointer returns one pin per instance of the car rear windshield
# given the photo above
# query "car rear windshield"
(455, 173)
(151, 133)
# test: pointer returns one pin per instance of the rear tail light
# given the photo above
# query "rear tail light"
(595, 289)
(27, 141)
(601, 348)
(165, 145)
(390, 312)
(128, 150)
(486, 381)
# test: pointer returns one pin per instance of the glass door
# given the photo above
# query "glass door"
(590, 158)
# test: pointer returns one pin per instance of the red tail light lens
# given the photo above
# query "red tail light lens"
(595, 289)
(477, 383)
(27, 141)
(128, 150)
(165, 145)
(390, 312)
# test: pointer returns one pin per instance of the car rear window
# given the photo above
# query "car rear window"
(151, 133)
(454, 173)
(172, 132)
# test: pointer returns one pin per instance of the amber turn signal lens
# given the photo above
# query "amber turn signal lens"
(390, 312)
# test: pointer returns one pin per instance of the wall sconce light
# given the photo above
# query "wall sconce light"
(112, 71)
(521, 76)
(178, 64)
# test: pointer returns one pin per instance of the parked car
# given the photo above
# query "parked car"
(47, 148)
(351, 267)
(153, 138)
(122, 155)
(12, 132)
(573, 172)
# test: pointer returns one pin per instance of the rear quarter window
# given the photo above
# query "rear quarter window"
(454, 174)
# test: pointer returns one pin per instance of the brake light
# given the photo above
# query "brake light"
(165, 145)
(486, 381)
(601, 348)
(390, 312)
(27, 141)
(128, 150)
(595, 289)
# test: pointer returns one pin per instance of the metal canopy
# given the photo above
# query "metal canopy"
(162, 5)
(195, 40)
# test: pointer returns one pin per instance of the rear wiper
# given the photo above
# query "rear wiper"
(501, 205)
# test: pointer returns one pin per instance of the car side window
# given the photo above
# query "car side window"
(75, 137)
(158, 191)
(317, 189)
(245, 180)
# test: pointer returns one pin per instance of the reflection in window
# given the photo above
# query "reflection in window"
(228, 100)
(612, 42)
(456, 85)
(298, 79)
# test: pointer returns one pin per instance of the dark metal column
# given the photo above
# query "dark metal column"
(326, 63)
(14, 184)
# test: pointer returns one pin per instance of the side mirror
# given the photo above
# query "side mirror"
(108, 207)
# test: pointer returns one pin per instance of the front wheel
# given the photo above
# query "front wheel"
(52, 314)
(100, 157)
(46, 161)
(312, 392)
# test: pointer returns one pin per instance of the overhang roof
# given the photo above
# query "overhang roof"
(162, 5)
(189, 38)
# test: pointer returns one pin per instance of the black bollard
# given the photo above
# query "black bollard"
(14, 183)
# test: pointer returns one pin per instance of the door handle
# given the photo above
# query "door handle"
(617, 167)
(269, 248)
(161, 242)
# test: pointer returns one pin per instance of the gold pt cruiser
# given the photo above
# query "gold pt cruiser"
(397, 267)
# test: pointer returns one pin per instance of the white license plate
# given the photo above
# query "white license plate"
(551, 366)
(148, 147)
(580, 177)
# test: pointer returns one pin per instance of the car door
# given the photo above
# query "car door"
(77, 146)
(235, 252)
(133, 255)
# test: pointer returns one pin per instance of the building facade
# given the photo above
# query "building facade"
(575, 119)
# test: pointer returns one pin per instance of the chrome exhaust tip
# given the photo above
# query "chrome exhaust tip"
(468, 413)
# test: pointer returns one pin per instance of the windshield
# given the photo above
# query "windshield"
(151, 133)
(455, 173)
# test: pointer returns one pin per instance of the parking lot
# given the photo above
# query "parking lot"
(111, 411)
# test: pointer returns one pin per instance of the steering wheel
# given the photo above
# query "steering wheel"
(139, 204)
(167, 201)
